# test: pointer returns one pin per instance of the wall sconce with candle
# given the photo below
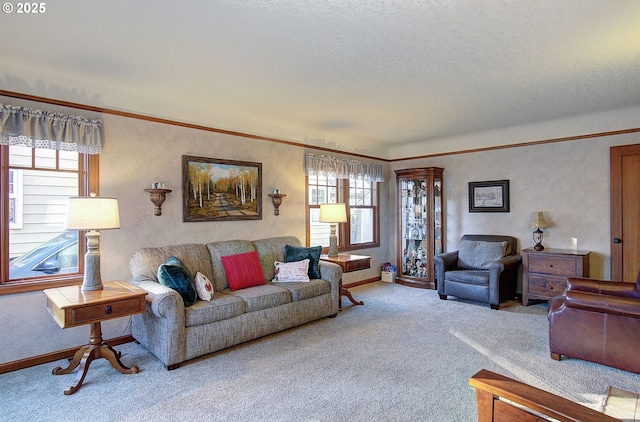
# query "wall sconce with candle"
(157, 194)
(276, 200)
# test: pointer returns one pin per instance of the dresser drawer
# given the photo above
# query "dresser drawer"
(541, 287)
(355, 265)
(553, 265)
(100, 312)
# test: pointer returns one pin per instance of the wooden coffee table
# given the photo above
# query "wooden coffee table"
(70, 307)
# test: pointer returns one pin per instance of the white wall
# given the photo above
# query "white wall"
(136, 154)
(568, 181)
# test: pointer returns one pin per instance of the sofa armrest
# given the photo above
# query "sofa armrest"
(165, 302)
(593, 302)
(331, 272)
(614, 288)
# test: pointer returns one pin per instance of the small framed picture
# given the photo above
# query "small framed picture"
(489, 196)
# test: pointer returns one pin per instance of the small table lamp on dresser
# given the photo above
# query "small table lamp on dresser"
(537, 222)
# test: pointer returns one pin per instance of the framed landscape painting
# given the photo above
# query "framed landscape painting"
(489, 196)
(221, 190)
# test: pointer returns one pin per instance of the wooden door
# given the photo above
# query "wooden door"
(625, 212)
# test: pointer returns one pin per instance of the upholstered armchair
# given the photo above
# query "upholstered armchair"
(598, 321)
(484, 269)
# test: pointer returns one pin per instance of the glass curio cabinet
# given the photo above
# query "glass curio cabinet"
(420, 225)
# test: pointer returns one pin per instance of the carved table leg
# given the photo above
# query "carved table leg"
(96, 349)
(72, 365)
(87, 358)
(347, 293)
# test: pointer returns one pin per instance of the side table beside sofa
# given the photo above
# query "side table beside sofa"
(175, 333)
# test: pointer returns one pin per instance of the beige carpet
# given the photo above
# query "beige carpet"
(623, 405)
(405, 356)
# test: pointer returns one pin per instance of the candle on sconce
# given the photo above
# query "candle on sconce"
(276, 191)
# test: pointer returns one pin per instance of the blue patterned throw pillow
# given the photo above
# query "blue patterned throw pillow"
(175, 275)
(298, 253)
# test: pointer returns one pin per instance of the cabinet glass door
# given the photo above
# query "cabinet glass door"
(414, 203)
(420, 225)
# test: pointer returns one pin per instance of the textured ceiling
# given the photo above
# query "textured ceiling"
(357, 75)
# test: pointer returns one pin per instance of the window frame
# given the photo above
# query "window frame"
(88, 181)
(343, 230)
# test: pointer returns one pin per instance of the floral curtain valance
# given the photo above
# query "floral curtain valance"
(342, 168)
(48, 130)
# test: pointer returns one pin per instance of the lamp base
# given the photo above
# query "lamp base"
(333, 242)
(92, 279)
(537, 237)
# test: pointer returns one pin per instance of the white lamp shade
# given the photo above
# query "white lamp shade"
(333, 213)
(538, 220)
(92, 213)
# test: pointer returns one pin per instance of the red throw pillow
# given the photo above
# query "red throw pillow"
(243, 270)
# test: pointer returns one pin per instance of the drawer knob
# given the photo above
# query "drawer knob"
(108, 310)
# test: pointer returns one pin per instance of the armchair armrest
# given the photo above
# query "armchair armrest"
(444, 262)
(508, 262)
(593, 302)
(614, 288)
(449, 260)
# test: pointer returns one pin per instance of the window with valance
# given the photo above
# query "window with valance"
(354, 183)
(46, 157)
(340, 168)
(49, 130)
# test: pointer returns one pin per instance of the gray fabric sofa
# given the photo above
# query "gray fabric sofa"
(175, 333)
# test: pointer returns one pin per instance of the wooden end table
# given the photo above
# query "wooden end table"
(70, 307)
(544, 273)
(348, 263)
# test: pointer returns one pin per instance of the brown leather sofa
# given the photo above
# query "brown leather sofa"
(486, 277)
(598, 321)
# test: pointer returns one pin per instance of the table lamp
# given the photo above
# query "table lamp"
(333, 214)
(92, 213)
(538, 221)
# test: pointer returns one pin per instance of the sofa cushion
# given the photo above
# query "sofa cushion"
(262, 297)
(291, 271)
(271, 250)
(243, 270)
(478, 254)
(204, 287)
(223, 248)
(298, 253)
(221, 307)
(306, 290)
(144, 263)
(175, 275)
(477, 277)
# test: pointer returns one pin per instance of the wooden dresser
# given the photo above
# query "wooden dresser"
(544, 273)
